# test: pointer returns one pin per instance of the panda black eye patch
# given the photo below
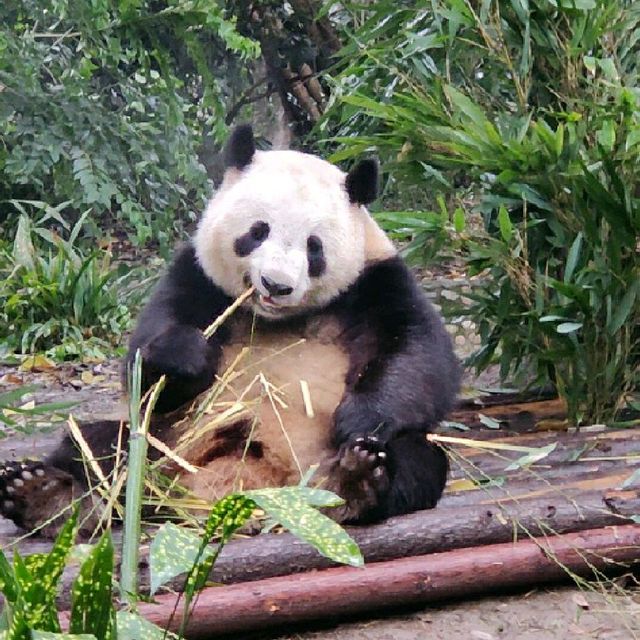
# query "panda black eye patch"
(315, 256)
(251, 240)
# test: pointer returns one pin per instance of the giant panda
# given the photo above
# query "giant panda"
(334, 309)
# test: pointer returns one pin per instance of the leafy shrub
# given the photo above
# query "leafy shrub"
(535, 107)
(59, 298)
(26, 417)
(105, 105)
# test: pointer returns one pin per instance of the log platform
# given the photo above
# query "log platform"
(576, 511)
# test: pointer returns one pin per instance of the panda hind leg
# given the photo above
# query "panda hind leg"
(358, 474)
(379, 480)
(418, 473)
(37, 497)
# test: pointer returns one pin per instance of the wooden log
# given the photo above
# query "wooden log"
(345, 591)
(440, 529)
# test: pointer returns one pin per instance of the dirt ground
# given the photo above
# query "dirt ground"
(546, 614)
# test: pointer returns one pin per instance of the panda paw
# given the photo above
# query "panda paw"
(36, 497)
(179, 351)
(186, 358)
(365, 457)
(360, 476)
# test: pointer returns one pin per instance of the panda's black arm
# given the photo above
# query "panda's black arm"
(403, 374)
(169, 331)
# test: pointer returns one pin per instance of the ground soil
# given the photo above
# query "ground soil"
(546, 614)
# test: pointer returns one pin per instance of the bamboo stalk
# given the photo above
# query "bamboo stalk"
(135, 480)
(217, 323)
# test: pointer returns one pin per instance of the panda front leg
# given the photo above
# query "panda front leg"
(403, 378)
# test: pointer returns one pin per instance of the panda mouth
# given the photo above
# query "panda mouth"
(267, 304)
(267, 301)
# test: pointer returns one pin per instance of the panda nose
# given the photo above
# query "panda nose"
(274, 288)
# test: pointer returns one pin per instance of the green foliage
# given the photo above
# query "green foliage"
(176, 550)
(105, 105)
(527, 113)
(60, 298)
(92, 611)
(17, 417)
(296, 508)
(30, 587)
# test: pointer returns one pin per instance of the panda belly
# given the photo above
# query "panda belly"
(259, 429)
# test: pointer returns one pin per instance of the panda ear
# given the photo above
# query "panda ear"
(240, 147)
(362, 182)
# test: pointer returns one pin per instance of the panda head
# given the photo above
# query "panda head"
(290, 224)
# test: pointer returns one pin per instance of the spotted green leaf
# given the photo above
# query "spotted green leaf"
(226, 517)
(92, 609)
(290, 507)
(8, 586)
(36, 579)
(131, 626)
(173, 551)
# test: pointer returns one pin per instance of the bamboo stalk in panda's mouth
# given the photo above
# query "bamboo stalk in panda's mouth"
(217, 323)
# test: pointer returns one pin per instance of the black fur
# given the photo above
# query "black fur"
(315, 257)
(248, 242)
(403, 374)
(240, 147)
(169, 332)
(402, 379)
(362, 182)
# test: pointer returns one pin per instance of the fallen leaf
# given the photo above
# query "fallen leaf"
(11, 378)
(488, 422)
(462, 484)
(37, 363)
(580, 601)
(482, 635)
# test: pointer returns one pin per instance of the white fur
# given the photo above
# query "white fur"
(298, 195)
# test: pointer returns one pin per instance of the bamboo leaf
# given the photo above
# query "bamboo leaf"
(504, 222)
(568, 327)
(572, 257)
(624, 308)
(531, 457)
(488, 422)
